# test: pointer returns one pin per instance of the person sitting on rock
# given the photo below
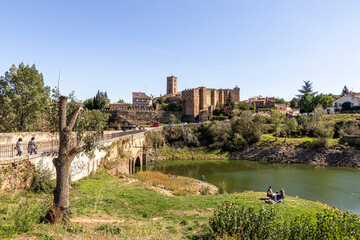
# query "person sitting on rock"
(202, 178)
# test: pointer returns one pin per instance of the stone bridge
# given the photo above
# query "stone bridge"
(124, 148)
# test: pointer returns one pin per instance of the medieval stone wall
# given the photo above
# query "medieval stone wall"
(198, 99)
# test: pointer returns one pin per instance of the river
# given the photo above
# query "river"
(339, 186)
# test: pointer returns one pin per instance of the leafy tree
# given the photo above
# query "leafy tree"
(226, 111)
(306, 103)
(121, 101)
(344, 91)
(346, 106)
(173, 119)
(88, 126)
(323, 100)
(321, 128)
(24, 100)
(242, 106)
(160, 100)
(291, 126)
(89, 103)
(254, 107)
(306, 88)
(229, 102)
(100, 100)
(276, 119)
(294, 103)
(280, 100)
(171, 107)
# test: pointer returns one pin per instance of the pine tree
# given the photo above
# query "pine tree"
(344, 91)
(306, 88)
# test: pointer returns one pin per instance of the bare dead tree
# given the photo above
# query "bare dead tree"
(67, 153)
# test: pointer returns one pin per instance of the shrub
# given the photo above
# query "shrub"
(222, 187)
(204, 190)
(42, 179)
(111, 229)
(241, 223)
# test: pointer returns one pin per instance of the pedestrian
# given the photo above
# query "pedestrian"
(19, 147)
(32, 146)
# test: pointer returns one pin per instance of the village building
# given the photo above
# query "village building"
(353, 98)
(119, 106)
(141, 101)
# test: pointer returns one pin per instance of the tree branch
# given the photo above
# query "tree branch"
(73, 118)
(62, 112)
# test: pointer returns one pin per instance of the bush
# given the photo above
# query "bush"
(204, 190)
(106, 228)
(42, 179)
(222, 187)
(241, 223)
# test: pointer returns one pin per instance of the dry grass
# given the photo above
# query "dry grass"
(180, 186)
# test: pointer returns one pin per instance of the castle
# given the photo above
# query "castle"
(198, 103)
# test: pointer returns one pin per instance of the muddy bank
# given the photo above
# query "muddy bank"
(337, 156)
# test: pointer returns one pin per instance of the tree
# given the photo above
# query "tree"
(346, 106)
(242, 106)
(173, 118)
(100, 100)
(344, 91)
(229, 102)
(280, 100)
(294, 103)
(291, 126)
(306, 88)
(306, 103)
(121, 101)
(323, 100)
(88, 126)
(89, 103)
(276, 119)
(24, 100)
(160, 100)
(171, 107)
(226, 111)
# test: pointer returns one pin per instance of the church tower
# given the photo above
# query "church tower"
(171, 85)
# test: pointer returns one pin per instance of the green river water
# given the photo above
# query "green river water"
(339, 186)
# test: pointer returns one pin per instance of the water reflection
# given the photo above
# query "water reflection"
(337, 186)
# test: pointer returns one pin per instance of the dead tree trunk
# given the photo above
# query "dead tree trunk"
(67, 152)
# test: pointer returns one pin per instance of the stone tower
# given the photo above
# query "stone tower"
(171, 85)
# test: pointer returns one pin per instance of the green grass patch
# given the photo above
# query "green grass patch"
(169, 153)
(106, 205)
(267, 139)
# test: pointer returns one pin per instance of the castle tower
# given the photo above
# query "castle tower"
(171, 85)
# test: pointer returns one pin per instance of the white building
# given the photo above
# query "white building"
(352, 97)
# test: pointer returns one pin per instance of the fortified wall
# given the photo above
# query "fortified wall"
(198, 103)
(142, 115)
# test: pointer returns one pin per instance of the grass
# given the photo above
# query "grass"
(168, 153)
(106, 207)
(301, 141)
(175, 185)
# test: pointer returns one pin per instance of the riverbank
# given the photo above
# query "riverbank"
(293, 150)
(336, 156)
(107, 207)
(300, 150)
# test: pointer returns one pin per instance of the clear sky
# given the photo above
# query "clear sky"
(265, 47)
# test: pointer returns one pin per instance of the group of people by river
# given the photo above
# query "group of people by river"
(277, 197)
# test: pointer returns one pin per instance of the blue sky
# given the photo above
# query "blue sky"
(265, 47)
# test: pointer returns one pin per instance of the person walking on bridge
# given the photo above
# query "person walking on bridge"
(32, 146)
(19, 147)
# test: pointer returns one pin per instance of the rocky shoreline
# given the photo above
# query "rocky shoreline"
(336, 156)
